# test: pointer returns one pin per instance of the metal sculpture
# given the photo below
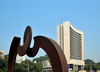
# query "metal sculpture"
(52, 49)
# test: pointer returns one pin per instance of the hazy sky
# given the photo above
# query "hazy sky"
(44, 15)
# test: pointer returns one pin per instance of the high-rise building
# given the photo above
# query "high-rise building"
(71, 41)
(2, 54)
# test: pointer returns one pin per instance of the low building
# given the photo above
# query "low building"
(2, 54)
(47, 66)
(19, 59)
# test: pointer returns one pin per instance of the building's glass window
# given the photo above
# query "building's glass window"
(75, 45)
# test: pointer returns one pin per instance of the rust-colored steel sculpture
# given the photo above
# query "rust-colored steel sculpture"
(52, 49)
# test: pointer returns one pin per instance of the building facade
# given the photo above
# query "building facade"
(47, 66)
(19, 59)
(71, 41)
(2, 54)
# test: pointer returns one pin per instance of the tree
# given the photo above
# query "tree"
(95, 67)
(86, 67)
(21, 67)
(18, 67)
(31, 66)
(89, 61)
(1, 70)
(41, 58)
(3, 65)
(98, 66)
(89, 64)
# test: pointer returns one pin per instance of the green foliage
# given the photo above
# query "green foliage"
(21, 67)
(87, 67)
(1, 70)
(3, 65)
(91, 65)
(89, 61)
(31, 66)
(37, 67)
(6, 57)
(18, 67)
(41, 58)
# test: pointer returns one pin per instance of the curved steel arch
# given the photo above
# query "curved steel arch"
(53, 50)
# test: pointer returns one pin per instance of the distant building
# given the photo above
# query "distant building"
(35, 61)
(47, 66)
(2, 54)
(71, 41)
(19, 59)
